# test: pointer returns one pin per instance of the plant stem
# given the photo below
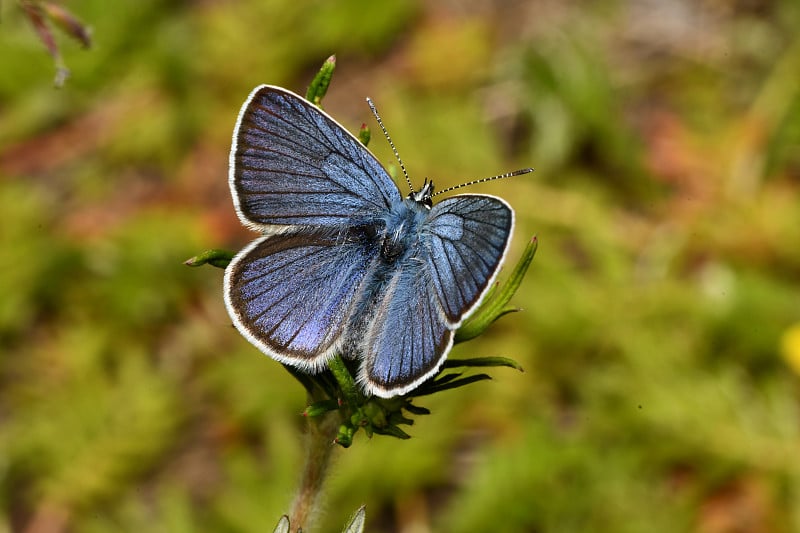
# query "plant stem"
(319, 445)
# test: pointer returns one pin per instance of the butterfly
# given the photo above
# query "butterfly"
(346, 264)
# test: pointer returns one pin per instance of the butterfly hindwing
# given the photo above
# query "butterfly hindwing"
(290, 294)
(292, 164)
(408, 336)
(460, 247)
(467, 237)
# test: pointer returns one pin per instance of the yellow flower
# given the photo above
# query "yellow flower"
(790, 347)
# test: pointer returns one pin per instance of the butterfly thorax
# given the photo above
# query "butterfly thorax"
(402, 223)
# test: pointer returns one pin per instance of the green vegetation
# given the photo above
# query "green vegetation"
(659, 332)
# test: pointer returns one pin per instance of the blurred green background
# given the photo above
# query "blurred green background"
(661, 325)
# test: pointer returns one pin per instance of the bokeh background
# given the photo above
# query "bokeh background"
(660, 334)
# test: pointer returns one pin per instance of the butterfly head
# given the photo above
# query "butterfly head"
(423, 196)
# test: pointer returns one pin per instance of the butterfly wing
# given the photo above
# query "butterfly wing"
(467, 238)
(293, 165)
(408, 337)
(290, 294)
(461, 247)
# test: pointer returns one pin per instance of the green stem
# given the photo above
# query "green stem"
(319, 444)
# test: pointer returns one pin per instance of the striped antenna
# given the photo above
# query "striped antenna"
(386, 134)
(498, 177)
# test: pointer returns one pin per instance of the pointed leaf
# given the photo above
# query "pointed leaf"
(493, 309)
(482, 362)
(416, 409)
(68, 23)
(393, 431)
(319, 85)
(451, 385)
(357, 521)
(445, 378)
(217, 258)
(283, 525)
(364, 134)
(320, 408)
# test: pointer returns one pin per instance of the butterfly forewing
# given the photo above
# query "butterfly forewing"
(291, 164)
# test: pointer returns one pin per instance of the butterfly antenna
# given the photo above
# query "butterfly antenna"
(386, 134)
(498, 177)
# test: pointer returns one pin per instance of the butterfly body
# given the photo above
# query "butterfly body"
(402, 229)
(346, 265)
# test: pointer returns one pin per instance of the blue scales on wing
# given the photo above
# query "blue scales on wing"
(291, 294)
(293, 165)
(407, 338)
(460, 246)
(467, 236)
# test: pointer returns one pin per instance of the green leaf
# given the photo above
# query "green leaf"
(364, 134)
(441, 385)
(445, 378)
(495, 307)
(416, 409)
(482, 362)
(217, 258)
(319, 85)
(350, 391)
(320, 408)
(393, 431)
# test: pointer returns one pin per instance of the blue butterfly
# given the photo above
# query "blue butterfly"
(345, 264)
